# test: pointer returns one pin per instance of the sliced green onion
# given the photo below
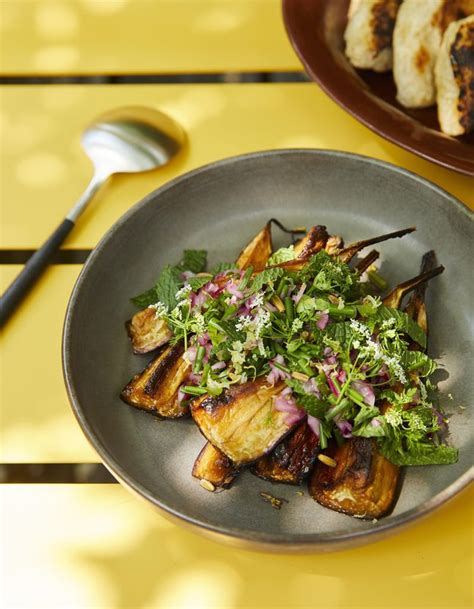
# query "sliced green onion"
(198, 361)
(305, 367)
(281, 367)
(377, 280)
(323, 441)
(343, 404)
(246, 278)
(290, 314)
(205, 373)
(192, 390)
(346, 311)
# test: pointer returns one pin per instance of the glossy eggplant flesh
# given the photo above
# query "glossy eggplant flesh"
(363, 482)
(147, 332)
(292, 459)
(156, 388)
(213, 467)
(242, 422)
(258, 251)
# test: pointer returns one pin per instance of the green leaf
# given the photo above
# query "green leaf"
(403, 322)
(416, 360)
(167, 285)
(194, 260)
(222, 266)
(312, 404)
(420, 453)
(282, 255)
(198, 282)
(341, 332)
(268, 276)
(145, 299)
(367, 430)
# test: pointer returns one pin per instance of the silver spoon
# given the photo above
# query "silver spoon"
(126, 140)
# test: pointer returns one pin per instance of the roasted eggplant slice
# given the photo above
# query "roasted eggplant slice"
(242, 421)
(146, 332)
(292, 459)
(362, 483)
(156, 388)
(214, 469)
(258, 251)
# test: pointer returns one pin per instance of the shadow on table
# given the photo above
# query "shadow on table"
(166, 566)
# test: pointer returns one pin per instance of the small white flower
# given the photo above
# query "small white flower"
(393, 417)
(183, 292)
(296, 325)
(160, 309)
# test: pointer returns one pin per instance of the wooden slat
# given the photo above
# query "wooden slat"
(53, 37)
(37, 423)
(45, 170)
(98, 546)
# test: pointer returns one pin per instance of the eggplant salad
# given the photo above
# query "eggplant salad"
(298, 364)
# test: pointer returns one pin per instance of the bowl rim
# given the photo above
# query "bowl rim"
(380, 116)
(247, 537)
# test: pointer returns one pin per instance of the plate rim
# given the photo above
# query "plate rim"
(362, 113)
(237, 536)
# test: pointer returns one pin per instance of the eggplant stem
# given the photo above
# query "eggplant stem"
(395, 297)
(365, 262)
(416, 307)
(350, 251)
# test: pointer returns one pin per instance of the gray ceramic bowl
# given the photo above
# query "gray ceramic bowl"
(219, 207)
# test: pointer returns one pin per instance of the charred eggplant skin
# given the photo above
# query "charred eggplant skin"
(363, 483)
(292, 460)
(156, 388)
(242, 421)
(214, 467)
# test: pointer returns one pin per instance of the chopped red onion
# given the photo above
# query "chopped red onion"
(194, 378)
(191, 354)
(341, 376)
(233, 289)
(332, 386)
(197, 300)
(218, 366)
(311, 386)
(375, 422)
(212, 289)
(314, 425)
(270, 307)
(345, 428)
(181, 395)
(365, 390)
(291, 419)
(323, 321)
(297, 297)
(185, 275)
(204, 339)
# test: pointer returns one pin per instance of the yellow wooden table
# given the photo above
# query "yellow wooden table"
(95, 545)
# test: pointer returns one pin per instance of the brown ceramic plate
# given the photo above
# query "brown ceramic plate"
(316, 29)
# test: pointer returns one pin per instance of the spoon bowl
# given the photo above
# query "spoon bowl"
(132, 139)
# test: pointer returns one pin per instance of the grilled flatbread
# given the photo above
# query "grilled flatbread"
(455, 78)
(369, 32)
(417, 40)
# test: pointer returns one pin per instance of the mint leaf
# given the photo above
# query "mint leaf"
(282, 255)
(197, 283)
(403, 323)
(266, 277)
(169, 282)
(420, 453)
(222, 266)
(194, 260)
(416, 360)
(145, 299)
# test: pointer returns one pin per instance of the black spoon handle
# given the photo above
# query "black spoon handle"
(33, 269)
